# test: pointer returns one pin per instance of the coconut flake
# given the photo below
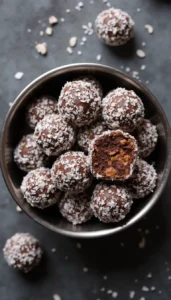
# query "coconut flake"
(73, 41)
(19, 75)
(149, 28)
(53, 20)
(140, 53)
(41, 48)
(49, 30)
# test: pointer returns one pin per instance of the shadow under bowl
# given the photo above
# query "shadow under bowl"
(15, 126)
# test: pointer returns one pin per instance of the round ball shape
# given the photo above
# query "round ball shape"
(54, 135)
(28, 155)
(79, 103)
(114, 27)
(39, 189)
(71, 172)
(22, 252)
(39, 108)
(110, 203)
(122, 109)
(143, 181)
(75, 208)
(146, 136)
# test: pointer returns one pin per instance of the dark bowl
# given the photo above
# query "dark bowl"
(51, 83)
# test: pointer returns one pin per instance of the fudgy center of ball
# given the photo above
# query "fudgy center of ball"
(113, 156)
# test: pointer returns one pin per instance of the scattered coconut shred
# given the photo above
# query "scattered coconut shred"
(149, 28)
(56, 297)
(41, 48)
(140, 53)
(19, 75)
(53, 20)
(73, 41)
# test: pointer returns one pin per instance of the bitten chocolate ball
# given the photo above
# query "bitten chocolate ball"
(146, 136)
(113, 155)
(75, 208)
(71, 172)
(94, 82)
(122, 109)
(79, 103)
(87, 134)
(39, 189)
(54, 135)
(39, 108)
(110, 203)
(143, 180)
(22, 252)
(28, 155)
(114, 27)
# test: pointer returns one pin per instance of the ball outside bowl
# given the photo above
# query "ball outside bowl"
(51, 83)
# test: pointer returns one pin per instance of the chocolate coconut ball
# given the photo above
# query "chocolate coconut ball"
(22, 252)
(39, 108)
(28, 155)
(122, 109)
(146, 136)
(143, 180)
(54, 135)
(110, 203)
(75, 208)
(113, 155)
(71, 172)
(39, 189)
(94, 82)
(79, 103)
(87, 134)
(114, 27)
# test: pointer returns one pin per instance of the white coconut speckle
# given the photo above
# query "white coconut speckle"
(53, 250)
(69, 50)
(19, 75)
(140, 53)
(145, 289)
(53, 20)
(98, 57)
(73, 41)
(68, 11)
(149, 28)
(149, 275)
(131, 294)
(115, 295)
(41, 48)
(79, 52)
(18, 209)
(49, 30)
(143, 67)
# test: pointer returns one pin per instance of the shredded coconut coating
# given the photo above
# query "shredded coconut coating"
(94, 82)
(143, 180)
(75, 208)
(79, 103)
(71, 172)
(146, 135)
(87, 134)
(110, 203)
(114, 27)
(93, 146)
(28, 155)
(22, 252)
(54, 135)
(42, 106)
(39, 189)
(122, 109)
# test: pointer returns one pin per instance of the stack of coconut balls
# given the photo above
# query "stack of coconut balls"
(98, 145)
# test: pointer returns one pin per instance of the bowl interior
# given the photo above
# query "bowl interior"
(15, 126)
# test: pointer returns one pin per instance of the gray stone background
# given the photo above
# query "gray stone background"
(126, 267)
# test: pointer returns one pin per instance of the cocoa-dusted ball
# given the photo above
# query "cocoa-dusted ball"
(28, 155)
(110, 203)
(54, 135)
(39, 189)
(114, 27)
(71, 172)
(42, 106)
(143, 181)
(22, 252)
(113, 155)
(122, 109)
(79, 103)
(94, 82)
(146, 136)
(87, 134)
(75, 208)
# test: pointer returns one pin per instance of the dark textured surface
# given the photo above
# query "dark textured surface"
(122, 265)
